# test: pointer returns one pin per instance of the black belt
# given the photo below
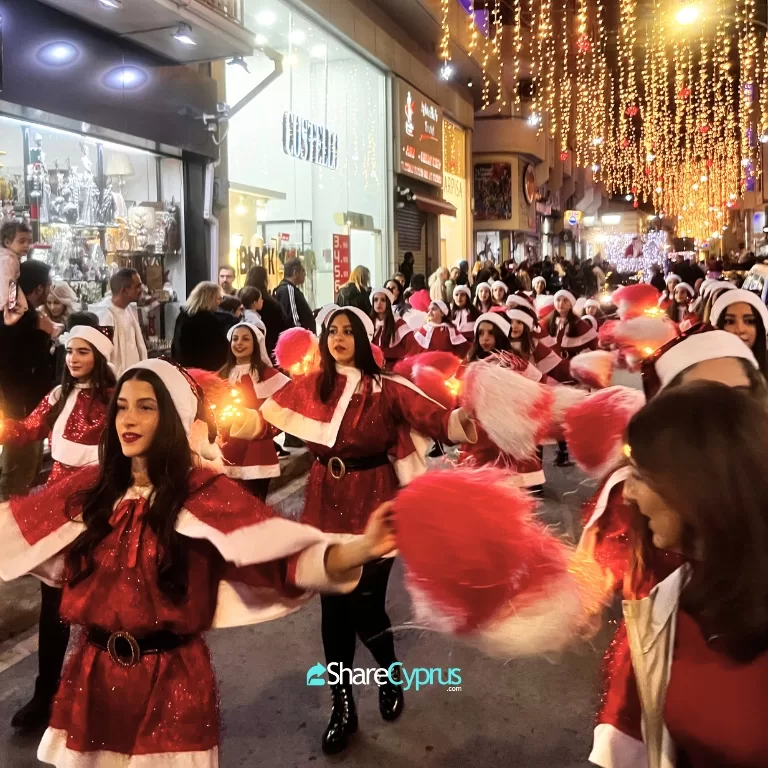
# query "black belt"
(127, 650)
(339, 467)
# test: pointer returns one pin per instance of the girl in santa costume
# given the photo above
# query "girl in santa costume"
(698, 643)
(72, 416)
(248, 447)
(463, 312)
(744, 314)
(492, 334)
(499, 293)
(483, 300)
(523, 326)
(152, 552)
(668, 295)
(608, 533)
(539, 285)
(572, 334)
(363, 426)
(392, 334)
(709, 292)
(593, 311)
(678, 310)
(439, 333)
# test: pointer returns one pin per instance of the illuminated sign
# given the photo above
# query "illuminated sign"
(310, 141)
(419, 132)
(573, 217)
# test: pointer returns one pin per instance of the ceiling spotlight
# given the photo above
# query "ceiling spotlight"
(183, 34)
(469, 83)
(704, 177)
(319, 51)
(265, 19)
(111, 3)
(659, 190)
(261, 40)
(240, 62)
(628, 198)
(597, 141)
(764, 138)
(446, 71)
(290, 60)
(58, 54)
(595, 167)
(650, 157)
(745, 161)
(534, 119)
(298, 36)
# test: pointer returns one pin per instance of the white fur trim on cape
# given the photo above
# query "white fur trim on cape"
(569, 342)
(612, 748)
(425, 338)
(53, 750)
(263, 388)
(67, 451)
(619, 476)
(252, 472)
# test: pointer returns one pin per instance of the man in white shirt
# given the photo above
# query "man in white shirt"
(120, 311)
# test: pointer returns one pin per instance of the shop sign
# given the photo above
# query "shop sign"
(310, 141)
(340, 262)
(572, 218)
(419, 131)
(285, 236)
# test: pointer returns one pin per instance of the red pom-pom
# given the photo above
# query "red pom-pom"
(297, 351)
(594, 428)
(434, 384)
(642, 336)
(593, 369)
(444, 362)
(495, 577)
(635, 300)
(378, 355)
(213, 386)
(545, 306)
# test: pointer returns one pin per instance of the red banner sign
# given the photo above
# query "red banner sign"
(340, 262)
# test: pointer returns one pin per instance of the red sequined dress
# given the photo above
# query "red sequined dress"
(401, 345)
(362, 418)
(75, 436)
(245, 565)
(253, 457)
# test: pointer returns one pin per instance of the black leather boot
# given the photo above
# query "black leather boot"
(391, 699)
(36, 713)
(343, 720)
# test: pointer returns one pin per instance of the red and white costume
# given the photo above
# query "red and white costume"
(579, 338)
(245, 565)
(441, 338)
(401, 345)
(362, 418)
(252, 457)
(464, 324)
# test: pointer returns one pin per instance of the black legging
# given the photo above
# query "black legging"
(258, 487)
(53, 639)
(361, 613)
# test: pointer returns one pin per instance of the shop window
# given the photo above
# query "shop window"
(307, 157)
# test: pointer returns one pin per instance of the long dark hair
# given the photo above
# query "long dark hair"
(257, 278)
(170, 461)
(525, 341)
(388, 332)
(257, 364)
(474, 312)
(711, 472)
(570, 319)
(502, 344)
(102, 384)
(759, 347)
(399, 295)
(364, 360)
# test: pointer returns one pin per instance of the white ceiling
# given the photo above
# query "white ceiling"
(216, 36)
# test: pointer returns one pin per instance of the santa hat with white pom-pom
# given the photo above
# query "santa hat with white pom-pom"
(496, 578)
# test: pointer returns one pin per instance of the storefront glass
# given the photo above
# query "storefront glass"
(94, 206)
(307, 156)
(453, 229)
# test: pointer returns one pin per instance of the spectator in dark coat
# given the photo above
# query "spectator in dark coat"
(657, 279)
(407, 267)
(26, 376)
(200, 336)
(356, 293)
(271, 312)
(291, 299)
(463, 278)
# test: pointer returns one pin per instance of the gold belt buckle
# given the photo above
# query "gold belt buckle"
(133, 644)
(333, 462)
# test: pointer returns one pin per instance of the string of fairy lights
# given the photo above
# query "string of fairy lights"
(664, 101)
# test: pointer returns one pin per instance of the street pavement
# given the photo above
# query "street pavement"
(532, 713)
